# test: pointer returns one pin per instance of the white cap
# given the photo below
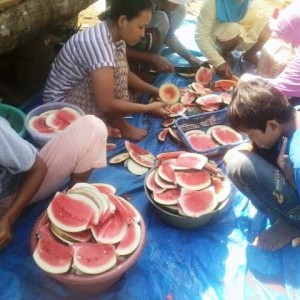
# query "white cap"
(179, 1)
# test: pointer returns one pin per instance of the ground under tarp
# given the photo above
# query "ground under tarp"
(213, 262)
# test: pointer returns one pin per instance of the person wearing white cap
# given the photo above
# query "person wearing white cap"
(167, 17)
(227, 25)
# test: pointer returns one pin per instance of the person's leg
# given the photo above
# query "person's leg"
(251, 54)
(73, 154)
(271, 194)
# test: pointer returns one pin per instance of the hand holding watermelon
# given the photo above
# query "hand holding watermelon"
(158, 108)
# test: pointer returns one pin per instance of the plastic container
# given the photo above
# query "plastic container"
(15, 117)
(184, 222)
(41, 138)
(92, 284)
(203, 122)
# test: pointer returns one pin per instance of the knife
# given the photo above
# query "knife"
(188, 69)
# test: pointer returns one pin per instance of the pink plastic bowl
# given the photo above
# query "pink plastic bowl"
(92, 284)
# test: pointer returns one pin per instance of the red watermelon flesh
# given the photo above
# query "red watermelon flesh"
(204, 75)
(166, 155)
(167, 197)
(176, 109)
(38, 123)
(131, 210)
(190, 161)
(226, 97)
(112, 231)
(53, 121)
(166, 172)
(201, 142)
(150, 181)
(225, 135)
(50, 255)
(211, 107)
(137, 149)
(194, 131)
(72, 213)
(145, 160)
(222, 189)
(196, 203)
(93, 258)
(68, 114)
(105, 188)
(163, 134)
(188, 98)
(193, 180)
(164, 184)
(130, 241)
(169, 93)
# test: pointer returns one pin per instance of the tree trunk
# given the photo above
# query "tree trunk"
(25, 21)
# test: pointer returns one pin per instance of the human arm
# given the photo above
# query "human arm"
(103, 86)
(140, 85)
(30, 185)
(203, 34)
(159, 63)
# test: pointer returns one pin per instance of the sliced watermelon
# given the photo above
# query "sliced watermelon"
(204, 75)
(224, 134)
(167, 197)
(176, 110)
(161, 182)
(38, 123)
(167, 155)
(174, 135)
(166, 172)
(188, 98)
(196, 203)
(135, 168)
(53, 121)
(193, 180)
(119, 158)
(209, 99)
(190, 161)
(130, 241)
(201, 142)
(168, 122)
(194, 131)
(163, 134)
(105, 188)
(137, 149)
(145, 160)
(50, 255)
(131, 210)
(92, 258)
(169, 93)
(150, 181)
(68, 114)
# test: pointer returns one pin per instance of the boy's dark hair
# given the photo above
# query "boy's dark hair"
(128, 8)
(254, 103)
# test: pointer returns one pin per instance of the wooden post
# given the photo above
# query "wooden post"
(24, 21)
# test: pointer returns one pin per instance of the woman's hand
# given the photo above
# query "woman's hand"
(5, 232)
(284, 163)
(162, 65)
(158, 108)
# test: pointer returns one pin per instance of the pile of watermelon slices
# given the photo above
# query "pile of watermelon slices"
(136, 159)
(54, 120)
(215, 136)
(187, 184)
(89, 230)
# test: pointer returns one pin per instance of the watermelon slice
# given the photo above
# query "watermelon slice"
(137, 149)
(194, 131)
(50, 255)
(169, 93)
(222, 189)
(196, 203)
(130, 241)
(131, 210)
(168, 122)
(68, 114)
(193, 180)
(224, 135)
(188, 98)
(38, 123)
(164, 184)
(135, 168)
(150, 181)
(72, 213)
(176, 110)
(163, 134)
(201, 142)
(211, 107)
(145, 160)
(226, 97)
(112, 231)
(167, 197)
(53, 121)
(190, 161)
(119, 158)
(167, 155)
(174, 135)
(92, 258)
(224, 85)
(209, 99)
(105, 188)
(166, 172)
(204, 75)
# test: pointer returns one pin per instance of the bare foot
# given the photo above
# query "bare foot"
(114, 132)
(131, 132)
(275, 237)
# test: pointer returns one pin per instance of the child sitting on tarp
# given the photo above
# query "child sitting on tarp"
(227, 25)
(271, 182)
(167, 17)
(27, 175)
(91, 71)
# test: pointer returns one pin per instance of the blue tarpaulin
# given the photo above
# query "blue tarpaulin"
(216, 261)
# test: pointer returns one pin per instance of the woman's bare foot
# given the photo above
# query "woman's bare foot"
(131, 132)
(275, 237)
(113, 132)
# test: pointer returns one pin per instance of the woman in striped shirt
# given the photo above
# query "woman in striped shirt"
(91, 70)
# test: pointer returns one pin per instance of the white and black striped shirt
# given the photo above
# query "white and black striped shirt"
(83, 53)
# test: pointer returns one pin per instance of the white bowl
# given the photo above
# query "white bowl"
(42, 138)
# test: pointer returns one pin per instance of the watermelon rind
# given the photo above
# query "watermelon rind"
(83, 252)
(190, 161)
(169, 99)
(166, 172)
(194, 131)
(139, 150)
(105, 188)
(135, 168)
(174, 135)
(199, 75)
(167, 197)
(163, 184)
(53, 121)
(130, 241)
(213, 132)
(131, 210)
(163, 134)
(177, 109)
(145, 160)
(119, 158)
(168, 122)
(150, 181)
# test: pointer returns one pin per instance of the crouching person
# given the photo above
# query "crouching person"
(28, 175)
(267, 171)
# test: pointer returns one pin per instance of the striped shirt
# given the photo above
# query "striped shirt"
(83, 53)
